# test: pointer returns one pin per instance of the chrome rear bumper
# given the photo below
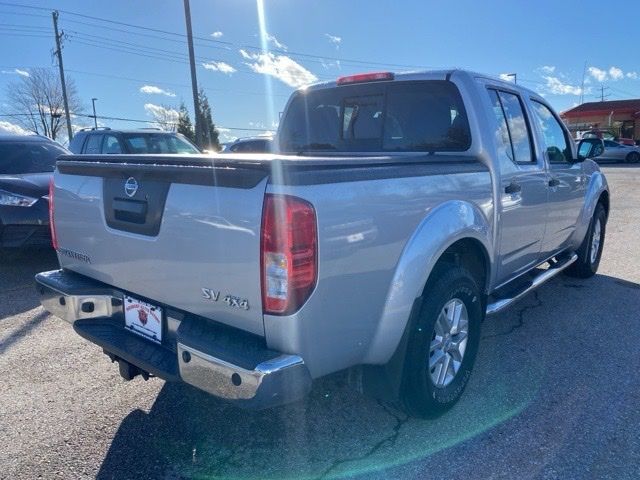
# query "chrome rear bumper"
(225, 362)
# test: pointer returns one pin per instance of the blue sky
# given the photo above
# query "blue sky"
(133, 71)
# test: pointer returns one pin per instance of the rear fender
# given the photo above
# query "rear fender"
(445, 225)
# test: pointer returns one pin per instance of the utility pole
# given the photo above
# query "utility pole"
(95, 119)
(514, 75)
(194, 81)
(58, 52)
(603, 96)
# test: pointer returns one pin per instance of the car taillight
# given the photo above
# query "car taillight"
(289, 251)
(52, 225)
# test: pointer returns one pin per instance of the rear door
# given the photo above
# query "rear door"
(184, 236)
(523, 186)
(566, 182)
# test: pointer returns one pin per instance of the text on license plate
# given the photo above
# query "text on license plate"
(143, 318)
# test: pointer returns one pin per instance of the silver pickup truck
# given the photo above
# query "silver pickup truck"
(397, 212)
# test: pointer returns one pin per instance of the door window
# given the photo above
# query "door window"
(513, 137)
(92, 146)
(555, 140)
(111, 145)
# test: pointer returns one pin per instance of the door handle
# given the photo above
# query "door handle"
(554, 182)
(513, 187)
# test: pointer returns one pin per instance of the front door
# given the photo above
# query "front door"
(566, 180)
(523, 188)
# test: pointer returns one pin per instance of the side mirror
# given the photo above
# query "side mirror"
(590, 148)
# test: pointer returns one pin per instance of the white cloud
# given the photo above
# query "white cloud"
(279, 66)
(275, 42)
(219, 67)
(327, 65)
(632, 75)
(548, 68)
(12, 128)
(159, 112)
(153, 90)
(334, 39)
(615, 73)
(557, 87)
(217, 34)
(597, 74)
(17, 71)
(507, 77)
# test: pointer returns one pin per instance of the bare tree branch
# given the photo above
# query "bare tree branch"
(37, 101)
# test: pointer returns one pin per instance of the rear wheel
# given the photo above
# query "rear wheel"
(590, 251)
(633, 157)
(443, 344)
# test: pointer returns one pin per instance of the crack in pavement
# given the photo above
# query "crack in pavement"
(520, 322)
(389, 439)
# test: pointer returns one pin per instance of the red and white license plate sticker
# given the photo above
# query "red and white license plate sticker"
(143, 318)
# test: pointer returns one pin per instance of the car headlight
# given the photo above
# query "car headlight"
(16, 200)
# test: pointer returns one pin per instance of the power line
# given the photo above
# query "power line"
(145, 81)
(138, 120)
(221, 42)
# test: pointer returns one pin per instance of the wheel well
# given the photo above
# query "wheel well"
(604, 200)
(470, 254)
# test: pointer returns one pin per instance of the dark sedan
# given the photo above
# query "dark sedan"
(26, 163)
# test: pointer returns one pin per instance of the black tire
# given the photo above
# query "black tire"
(585, 267)
(633, 157)
(420, 395)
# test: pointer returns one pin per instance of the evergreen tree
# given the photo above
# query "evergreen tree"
(209, 139)
(185, 127)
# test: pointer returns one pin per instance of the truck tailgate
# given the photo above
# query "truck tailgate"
(182, 235)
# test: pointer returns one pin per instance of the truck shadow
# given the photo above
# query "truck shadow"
(337, 432)
(17, 269)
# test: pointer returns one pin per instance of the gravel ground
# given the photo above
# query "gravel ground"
(554, 395)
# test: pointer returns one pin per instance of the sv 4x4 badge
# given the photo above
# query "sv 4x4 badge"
(231, 300)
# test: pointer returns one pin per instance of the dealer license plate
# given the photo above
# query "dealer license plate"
(143, 318)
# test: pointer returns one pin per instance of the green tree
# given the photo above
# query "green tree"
(209, 140)
(185, 127)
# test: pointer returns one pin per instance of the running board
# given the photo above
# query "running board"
(548, 274)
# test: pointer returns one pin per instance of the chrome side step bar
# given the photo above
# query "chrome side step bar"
(548, 274)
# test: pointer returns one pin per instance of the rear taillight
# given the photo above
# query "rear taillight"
(289, 253)
(52, 225)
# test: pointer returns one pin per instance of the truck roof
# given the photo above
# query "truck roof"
(435, 75)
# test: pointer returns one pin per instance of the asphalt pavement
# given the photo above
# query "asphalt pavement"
(554, 394)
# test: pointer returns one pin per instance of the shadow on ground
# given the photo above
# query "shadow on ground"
(17, 269)
(337, 432)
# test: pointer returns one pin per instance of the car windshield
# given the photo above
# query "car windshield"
(158, 143)
(28, 157)
(401, 116)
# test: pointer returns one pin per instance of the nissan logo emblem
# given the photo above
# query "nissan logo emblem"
(130, 186)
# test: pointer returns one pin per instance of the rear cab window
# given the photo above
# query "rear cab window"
(138, 143)
(399, 116)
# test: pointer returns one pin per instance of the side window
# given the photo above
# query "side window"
(502, 139)
(513, 135)
(111, 145)
(518, 128)
(92, 146)
(555, 139)
(610, 144)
